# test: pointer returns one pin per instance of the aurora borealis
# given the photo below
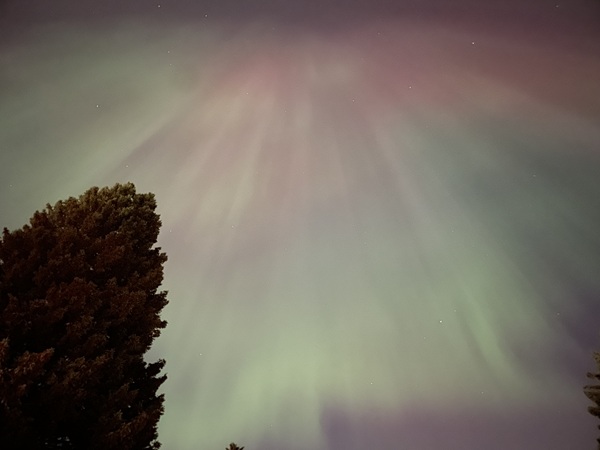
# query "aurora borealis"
(381, 217)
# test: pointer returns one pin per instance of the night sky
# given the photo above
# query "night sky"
(382, 217)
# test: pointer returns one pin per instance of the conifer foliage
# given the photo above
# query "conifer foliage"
(232, 446)
(79, 307)
(593, 392)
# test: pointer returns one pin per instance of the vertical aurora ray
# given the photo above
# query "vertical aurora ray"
(365, 227)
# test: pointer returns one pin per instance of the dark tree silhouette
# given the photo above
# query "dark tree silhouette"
(79, 308)
(593, 392)
(232, 446)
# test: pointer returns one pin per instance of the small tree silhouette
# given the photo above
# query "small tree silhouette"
(232, 446)
(593, 392)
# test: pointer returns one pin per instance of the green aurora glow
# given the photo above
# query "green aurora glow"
(362, 224)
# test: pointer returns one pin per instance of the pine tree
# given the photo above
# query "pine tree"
(79, 308)
(593, 392)
(232, 446)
